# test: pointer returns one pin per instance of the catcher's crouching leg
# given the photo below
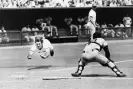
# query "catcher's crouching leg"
(115, 69)
(80, 68)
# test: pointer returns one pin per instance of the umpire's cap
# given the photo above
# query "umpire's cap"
(97, 35)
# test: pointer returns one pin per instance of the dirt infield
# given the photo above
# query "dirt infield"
(16, 72)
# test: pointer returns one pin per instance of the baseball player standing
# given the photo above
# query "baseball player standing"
(91, 53)
(41, 46)
(91, 25)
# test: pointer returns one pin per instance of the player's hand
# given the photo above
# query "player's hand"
(52, 52)
(29, 57)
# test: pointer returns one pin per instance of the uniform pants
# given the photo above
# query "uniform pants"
(93, 55)
(91, 29)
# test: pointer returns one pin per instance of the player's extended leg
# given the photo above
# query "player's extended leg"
(80, 68)
(87, 57)
(109, 63)
(115, 69)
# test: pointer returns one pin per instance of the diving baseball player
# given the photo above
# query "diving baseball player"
(41, 46)
(91, 53)
(91, 24)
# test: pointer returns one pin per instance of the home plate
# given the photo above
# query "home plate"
(59, 78)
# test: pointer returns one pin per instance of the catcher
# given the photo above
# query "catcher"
(91, 53)
(41, 46)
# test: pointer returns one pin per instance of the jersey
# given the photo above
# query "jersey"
(127, 21)
(98, 43)
(3, 33)
(92, 14)
(46, 45)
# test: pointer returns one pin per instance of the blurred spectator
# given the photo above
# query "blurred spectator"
(3, 35)
(53, 29)
(40, 23)
(104, 30)
(35, 30)
(71, 4)
(79, 4)
(71, 27)
(26, 33)
(12, 4)
(62, 3)
(56, 3)
(107, 30)
(85, 22)
(88, 3)
(99, 3)
(113, 3)
(46, 29)
(110, 31)
(120, 32)
(80, 24)
(127, 21)
(31, 4)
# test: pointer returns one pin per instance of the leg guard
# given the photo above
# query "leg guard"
(115, 69)
(81, 65)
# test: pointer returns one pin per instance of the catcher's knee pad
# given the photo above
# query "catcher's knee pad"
(111, 64)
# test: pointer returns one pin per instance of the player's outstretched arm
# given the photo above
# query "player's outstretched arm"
(30, 54)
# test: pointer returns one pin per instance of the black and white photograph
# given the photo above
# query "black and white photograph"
(66, 44)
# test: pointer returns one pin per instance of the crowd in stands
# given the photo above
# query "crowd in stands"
(107, 30)
(62, 3)
(3, 35)
(45, 27)
(125, 25)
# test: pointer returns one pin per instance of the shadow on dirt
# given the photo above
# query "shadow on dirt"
(98, 75)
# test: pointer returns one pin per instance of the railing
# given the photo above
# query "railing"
(109, 33)
(25, 38)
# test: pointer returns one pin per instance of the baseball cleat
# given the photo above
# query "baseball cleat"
(121, 75)
(76, 74)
